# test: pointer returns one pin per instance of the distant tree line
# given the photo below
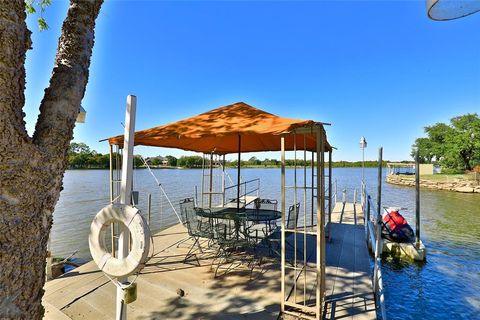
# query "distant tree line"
(253, 162)
(455, 146)
(80, 156)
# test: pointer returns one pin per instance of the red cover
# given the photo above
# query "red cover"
(394, 221)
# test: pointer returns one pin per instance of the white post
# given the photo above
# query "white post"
(363, 164)
(126, 195)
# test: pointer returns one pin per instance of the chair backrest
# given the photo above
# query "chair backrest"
(194, 221)
(227, 229)
(292, 218)
(267, 204)
(186, 205)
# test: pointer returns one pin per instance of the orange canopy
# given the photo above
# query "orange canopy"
(224, 130)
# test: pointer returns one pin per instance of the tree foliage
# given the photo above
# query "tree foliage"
(454, 146)
(172, 161)
(31, 6)
(81, 157)
(190, 161)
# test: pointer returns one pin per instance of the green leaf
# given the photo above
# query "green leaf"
(30, 9)
(42, 24)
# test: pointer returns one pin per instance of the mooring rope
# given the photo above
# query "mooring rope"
(161, 188)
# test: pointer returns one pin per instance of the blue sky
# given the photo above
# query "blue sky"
(380, 69)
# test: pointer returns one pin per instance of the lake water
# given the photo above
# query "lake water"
(447, 286)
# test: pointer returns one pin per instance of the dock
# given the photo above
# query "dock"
(86, 293)
(168, 288)
(349, 292)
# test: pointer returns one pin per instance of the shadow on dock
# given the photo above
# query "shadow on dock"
(171, 288)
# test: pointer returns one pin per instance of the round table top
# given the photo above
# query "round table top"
(261, 215)
(256, 215)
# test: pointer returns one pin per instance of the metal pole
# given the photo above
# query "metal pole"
(417, 200)
(336, 191)
(223, 181)
(126, 195)
(363, 164)
(313, 184)
(203, 179)
(211, 181)
(330, 207)
(111, 174)
(320, 221)
(112, 186)
(238, 172)
(305, 218)
(195, 192)
(367, 218)
(149, 204)
(379, 192)
(378, 242)
(296, 213)
(282, 143)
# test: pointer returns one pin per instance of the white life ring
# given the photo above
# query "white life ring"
(129, 217)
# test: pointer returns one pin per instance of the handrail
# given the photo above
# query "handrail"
(373, 231)
(246, 191)
(243, 182)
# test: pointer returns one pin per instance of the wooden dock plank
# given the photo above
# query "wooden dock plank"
(225, 297)
(87, 293)
(349, 290)
(53, 313)
(83, 310)
(363, 299)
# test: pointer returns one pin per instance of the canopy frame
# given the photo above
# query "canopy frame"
(308, 136)
(308, 266)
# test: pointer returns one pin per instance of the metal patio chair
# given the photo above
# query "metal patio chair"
(275, 238)
(197, 227)
(235, 245)
(268, 204)
(257, 229)
(292, 217)
(185, 204)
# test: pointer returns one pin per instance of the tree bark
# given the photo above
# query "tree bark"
(31, 169)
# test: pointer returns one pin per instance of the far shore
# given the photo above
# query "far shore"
(227, 167)
(464, 183)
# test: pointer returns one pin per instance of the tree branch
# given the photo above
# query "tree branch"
(15, 40)
(61, 102)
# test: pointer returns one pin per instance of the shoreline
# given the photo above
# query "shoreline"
(229, 167)
(456, 185)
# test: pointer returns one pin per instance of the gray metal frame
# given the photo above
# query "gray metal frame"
(116, 155)
(294, 302)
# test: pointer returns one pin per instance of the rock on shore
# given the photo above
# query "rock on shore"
(457, 186)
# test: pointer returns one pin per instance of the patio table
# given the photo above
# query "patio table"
(253, 215)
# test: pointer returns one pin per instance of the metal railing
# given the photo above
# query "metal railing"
(246, 188)
(373, 231)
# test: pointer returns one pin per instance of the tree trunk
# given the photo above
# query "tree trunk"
(31, 170)
(466, 160)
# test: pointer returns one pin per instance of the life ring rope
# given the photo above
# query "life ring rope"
(122, 286)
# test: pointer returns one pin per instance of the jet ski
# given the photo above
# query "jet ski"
(395, 226)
